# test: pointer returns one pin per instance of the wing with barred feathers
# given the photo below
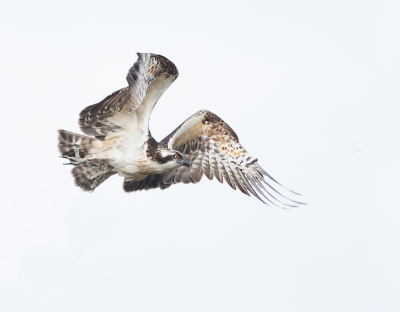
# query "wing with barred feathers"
(213, 149)
(148, 78)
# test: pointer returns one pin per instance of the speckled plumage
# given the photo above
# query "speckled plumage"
(121, 142)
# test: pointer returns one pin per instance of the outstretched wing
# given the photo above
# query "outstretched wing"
(214, 150)
(129, 108)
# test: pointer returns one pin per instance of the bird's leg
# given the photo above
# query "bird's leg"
(98, 175)
(77, 160)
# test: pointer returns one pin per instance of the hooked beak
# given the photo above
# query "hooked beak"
(184, 161)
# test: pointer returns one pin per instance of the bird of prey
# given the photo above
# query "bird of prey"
(119, 141)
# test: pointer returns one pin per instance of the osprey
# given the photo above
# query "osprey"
(119, 141)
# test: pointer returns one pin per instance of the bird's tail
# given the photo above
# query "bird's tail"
(68, 142)
(89, 173)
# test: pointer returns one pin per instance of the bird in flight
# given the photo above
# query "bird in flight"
(118, 140)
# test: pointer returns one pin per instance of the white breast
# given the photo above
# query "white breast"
(126, 155)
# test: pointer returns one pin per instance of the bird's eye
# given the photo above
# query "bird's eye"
(176, 156)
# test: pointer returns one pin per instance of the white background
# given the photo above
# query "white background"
(311, 88)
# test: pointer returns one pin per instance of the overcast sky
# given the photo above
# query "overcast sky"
(310, 87)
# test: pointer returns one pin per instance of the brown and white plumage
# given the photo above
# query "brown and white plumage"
(122, 143)
(148, 79)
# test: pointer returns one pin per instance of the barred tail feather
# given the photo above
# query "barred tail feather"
(91, 173)
(85, 175)
(67, 141)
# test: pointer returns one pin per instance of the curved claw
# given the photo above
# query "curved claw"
(75, 160)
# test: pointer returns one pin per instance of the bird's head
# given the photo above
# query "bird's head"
(171, 159)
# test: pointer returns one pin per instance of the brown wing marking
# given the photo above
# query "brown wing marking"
(150, 182)
(148, 79)
(213, 149)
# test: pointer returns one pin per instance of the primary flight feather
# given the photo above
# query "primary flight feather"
(119, 141)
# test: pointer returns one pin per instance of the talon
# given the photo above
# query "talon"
(75, 160)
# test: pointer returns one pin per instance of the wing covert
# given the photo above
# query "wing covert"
(213, 149)
(148, 79)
